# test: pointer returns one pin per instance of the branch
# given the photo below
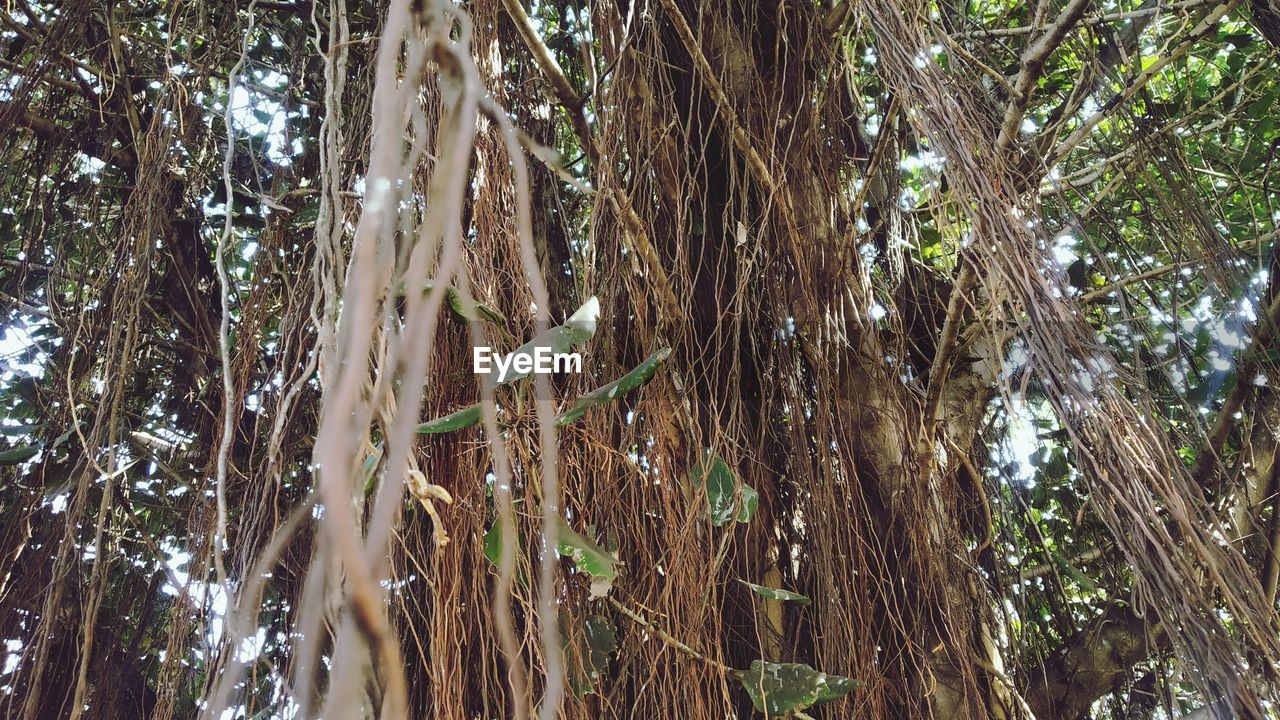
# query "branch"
(1104, 292)
(542, 54)
(1088, 20)
(1206, 464)
(658, 277)
(568, 97)
(1201, 30)
(944, 355)
(1033, 61)
(667, 638)
(1083, 558)
(122, 158)
(64, 84)
(1091, 663)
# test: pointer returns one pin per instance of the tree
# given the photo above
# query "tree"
(928, 359)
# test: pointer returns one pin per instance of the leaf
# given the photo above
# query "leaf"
(778, 689)
(721, 485)
(459, 420)
(461, 307)
(65, 436)
(639, 375)
(587, 648)
(586, 554)
(578, 329)
(1057, 466)
(837, 687)
(493, 544)
(465, 309)
(776, 593)
(368, 467)
(1086, 584)
(588, 557)
(602, 641)
(18, 429)
(750, 502)
(19, 455)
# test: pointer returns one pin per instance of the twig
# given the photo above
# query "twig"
(668, 640)
(1103, 292)
(1033, 61)
(568, 97)
(1201, 30)
(947, 342)
(1088, 20)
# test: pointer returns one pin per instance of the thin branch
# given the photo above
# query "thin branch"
(1201, 30)
(123, 158)
(1033, 62)
(1264, 335)
(667, 639)
(947, 342)
(1083, 558)
(1088, 20)
(657, 274)
(1106, 291)
(542, 55)
(568, 97)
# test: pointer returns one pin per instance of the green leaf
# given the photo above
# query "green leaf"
(721, 487)
(588, 557)
(837, 686)
(493, 544)
(779, 689)
(586, 554)
(750, 503)
(776, 593)
(638, 376)
(461, 307)
(370, 464)
(19, 455)
(602, 641)
(18, 429)
(465, 309)
(1086, 584)
(578, 329)
(587, 648)
(1058, 466)
(459, 420)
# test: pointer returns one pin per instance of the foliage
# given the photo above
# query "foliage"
(952, 325)
(728, 499)
(780, 689)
